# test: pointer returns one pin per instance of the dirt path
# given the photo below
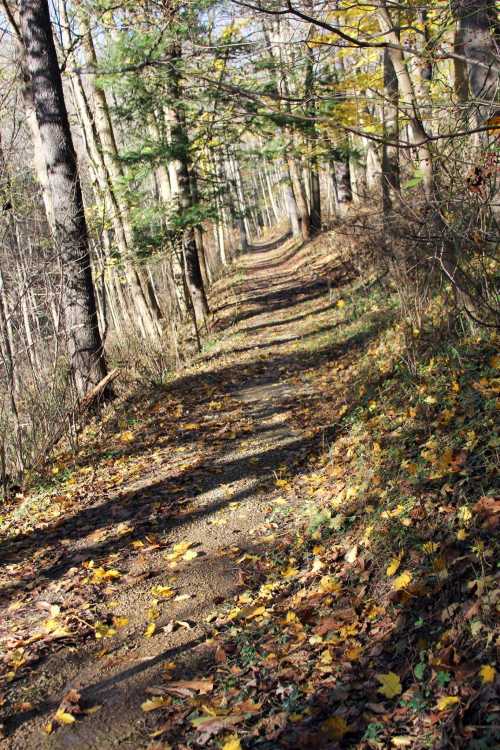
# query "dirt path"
(234, 437)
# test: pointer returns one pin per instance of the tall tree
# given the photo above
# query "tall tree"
(84, 342)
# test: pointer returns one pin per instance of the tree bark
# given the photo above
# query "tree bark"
(79, 305)
(180, 147)
(477, 27)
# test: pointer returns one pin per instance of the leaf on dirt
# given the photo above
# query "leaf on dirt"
(391, 684)
(447, 701)
(120, 622)
(152, 704)
(178, 550)
(150, 629)
(190, 554)
(100, 575)
(163, 592)
(289, 572)
(201, 686)
(63, 717)
(101, 630)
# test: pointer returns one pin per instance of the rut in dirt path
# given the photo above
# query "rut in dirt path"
(228, 503)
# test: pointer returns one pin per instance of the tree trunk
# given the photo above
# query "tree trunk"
(79, 305)
(180, 146)
(390, 151)
(408, 101)
(477, 22)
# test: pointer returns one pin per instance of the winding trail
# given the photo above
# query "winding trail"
(243, 392)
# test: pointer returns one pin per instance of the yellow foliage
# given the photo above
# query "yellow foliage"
(487, 673)
(403, 580)
(447, 702)
(394, 565)
(391, 684)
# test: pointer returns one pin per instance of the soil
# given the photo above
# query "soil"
(273, 295)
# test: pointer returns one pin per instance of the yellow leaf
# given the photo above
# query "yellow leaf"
(447, 702)
(178, 550)
(430, 547)
(150, 629)
(127, 437)
(353, 653)
(48, 728)
(461, 535)
(162, 592)
(335, 727)
(391, 684)
(63, 717)
(120, 622)
(352, 554)
(487, 673)
(232, 743)
(326, 657)
(153, 703)
(289, 572)
(103, 631)
(403, 580)
(100, 575)
(250, 612)
(329, 585)
(393, 565)
(190, 554)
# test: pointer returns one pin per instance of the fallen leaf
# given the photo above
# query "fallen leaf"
(393, 565)
(447, 702)
(487, 673)
(151, 627)
(153, 703)
(335, 727)
(63, 717)
(391, 684)
(329, 585)
(232, 743)
(162, 592)
(402, 581)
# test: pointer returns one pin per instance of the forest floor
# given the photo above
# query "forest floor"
(289, 545)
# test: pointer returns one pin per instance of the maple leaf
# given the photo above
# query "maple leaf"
(391, 684)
